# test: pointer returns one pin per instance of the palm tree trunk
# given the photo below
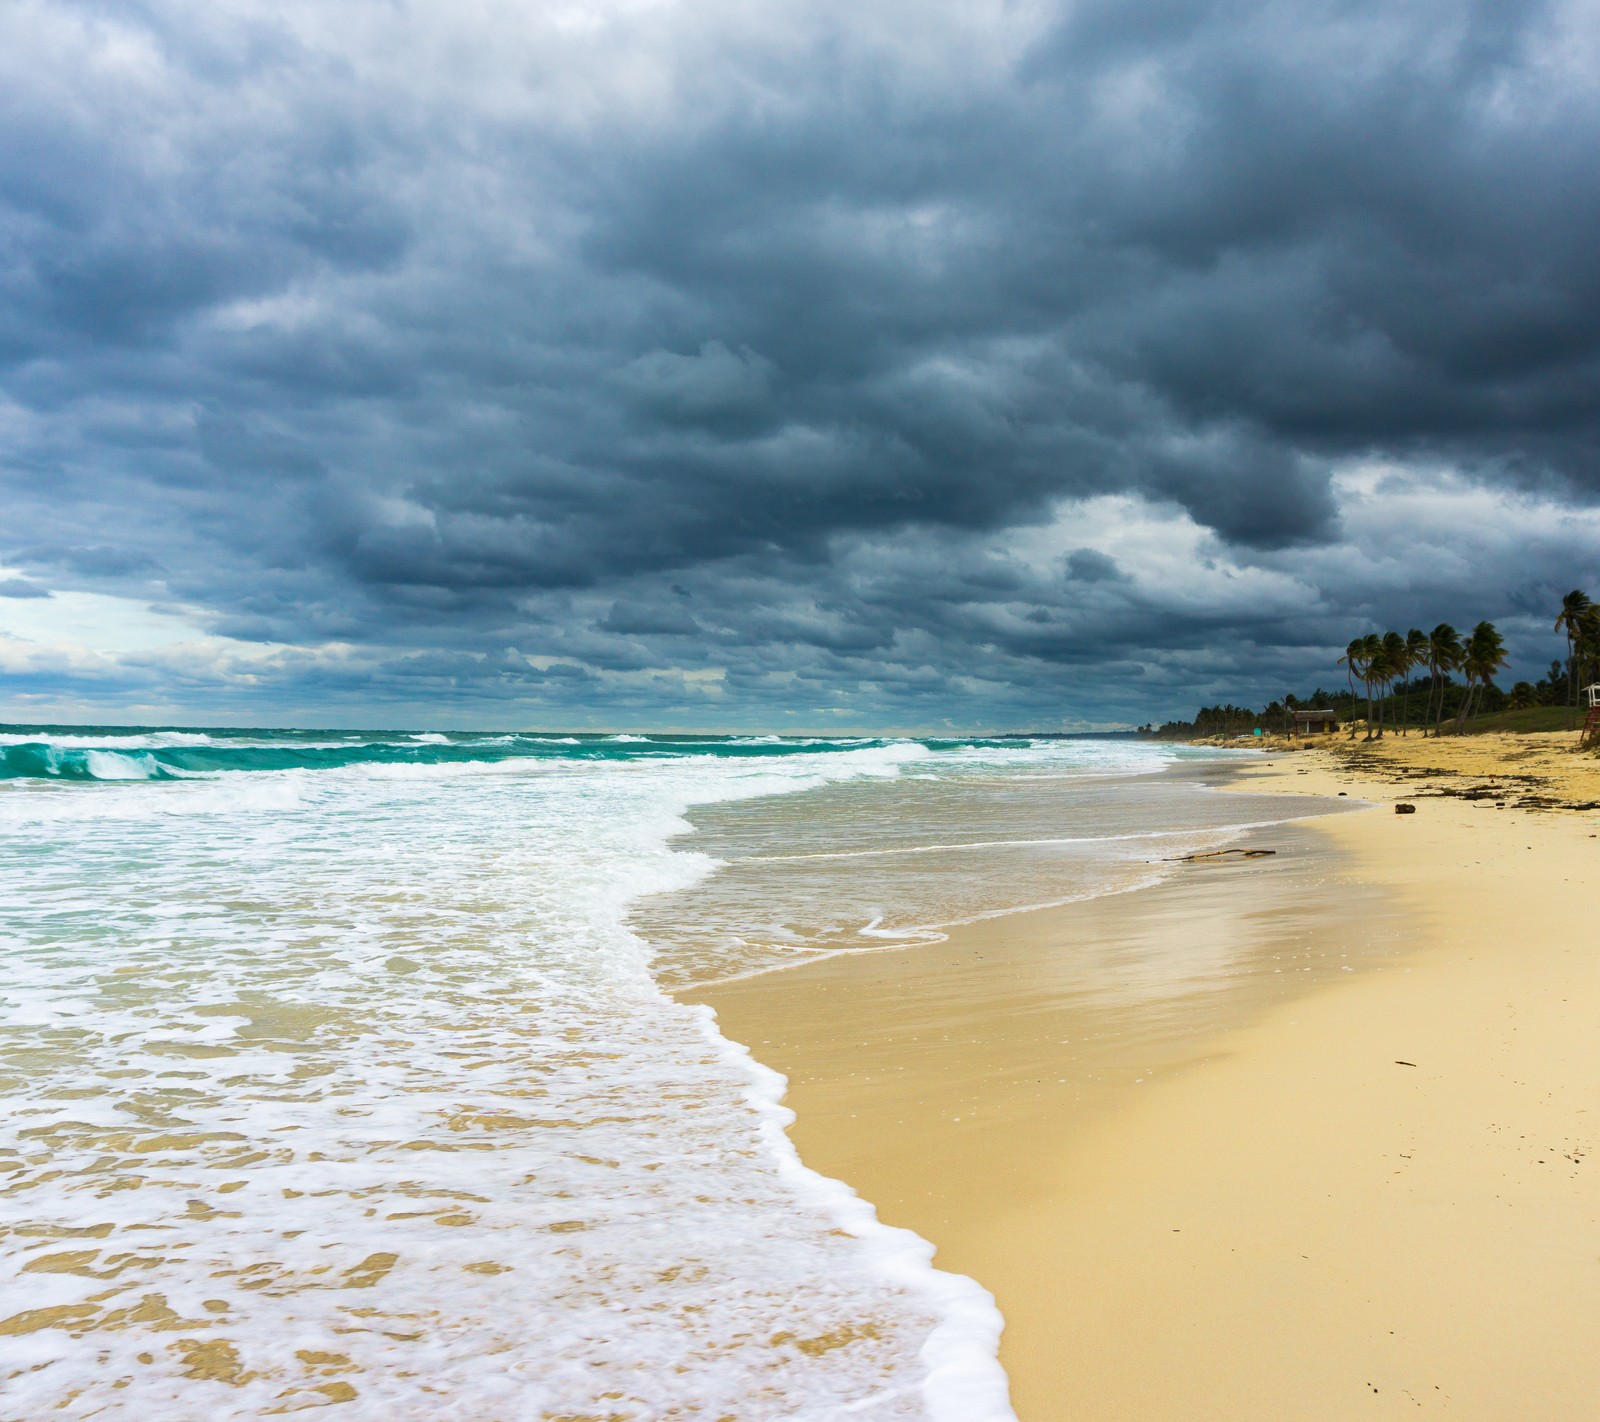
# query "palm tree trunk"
(1572, 681)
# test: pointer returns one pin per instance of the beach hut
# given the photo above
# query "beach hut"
(1309, 721)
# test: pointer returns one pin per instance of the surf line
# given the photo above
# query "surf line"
(1201, 830)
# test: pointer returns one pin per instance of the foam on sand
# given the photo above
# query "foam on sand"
(371, 1097)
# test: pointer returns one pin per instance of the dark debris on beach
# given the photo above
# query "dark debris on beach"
(1514, 791)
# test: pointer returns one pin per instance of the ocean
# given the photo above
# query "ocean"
(343, 1069)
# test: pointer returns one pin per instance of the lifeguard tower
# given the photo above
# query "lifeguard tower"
(1591, 722)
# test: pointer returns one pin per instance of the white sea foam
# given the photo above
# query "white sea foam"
(962, 846)
(120, 765)
(355, 1086)
(372, 1100)
(963, 1380)
(124, 742)
(108, 740)
(23, 806)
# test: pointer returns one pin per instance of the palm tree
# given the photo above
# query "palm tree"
(1352, 659)
(1573, 607)
(1588, 643)
(1416, 656)
(1396, 665)
(1486, 654)
(1444, 655)
(1372, 670)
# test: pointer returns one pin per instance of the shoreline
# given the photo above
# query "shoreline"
(1136, 1200)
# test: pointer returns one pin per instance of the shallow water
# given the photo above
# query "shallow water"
(860, 865)
(338, 1070)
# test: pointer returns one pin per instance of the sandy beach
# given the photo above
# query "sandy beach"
(1303, 1136)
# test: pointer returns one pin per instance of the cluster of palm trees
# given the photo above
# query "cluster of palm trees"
(1580, 620)
(1223, 720)
(1378, 661)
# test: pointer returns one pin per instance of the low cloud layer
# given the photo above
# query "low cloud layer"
(715, 364)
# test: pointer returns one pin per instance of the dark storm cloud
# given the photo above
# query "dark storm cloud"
(642, 617)
(1089, 566)
(751, 348)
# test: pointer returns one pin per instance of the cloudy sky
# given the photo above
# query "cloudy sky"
(911, 364)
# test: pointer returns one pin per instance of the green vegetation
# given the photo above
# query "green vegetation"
(1524, 719)
(1403, 683)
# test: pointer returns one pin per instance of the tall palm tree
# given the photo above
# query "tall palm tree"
(1573, 606)
(1372, 670)
(1396, 665)
(1444, 655)
(1468, 680)
(1350, 661)
(1486, 654)
(1586, 645)
(1416, 656)
(1492, 655)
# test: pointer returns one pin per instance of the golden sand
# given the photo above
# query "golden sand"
(1304, 1192)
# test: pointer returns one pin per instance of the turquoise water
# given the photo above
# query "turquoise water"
(339, 1070)
(172, 753)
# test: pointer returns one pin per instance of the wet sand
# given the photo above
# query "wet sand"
(1171, 1130)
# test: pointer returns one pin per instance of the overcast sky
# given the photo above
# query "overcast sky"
(909, 364)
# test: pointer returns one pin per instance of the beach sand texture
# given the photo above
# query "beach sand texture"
(1333, 1193)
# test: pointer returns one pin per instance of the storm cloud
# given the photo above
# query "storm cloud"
(908, 364)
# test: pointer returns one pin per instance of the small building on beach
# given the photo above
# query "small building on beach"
(1313, 719)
